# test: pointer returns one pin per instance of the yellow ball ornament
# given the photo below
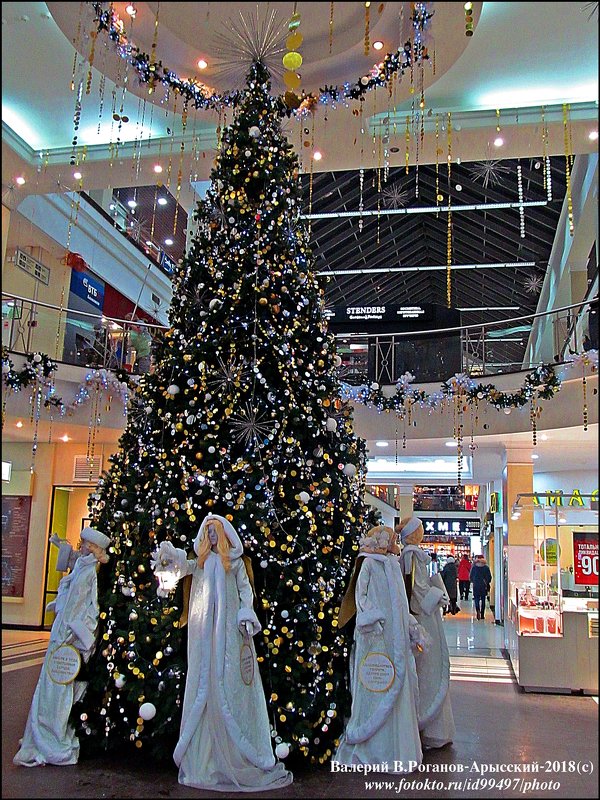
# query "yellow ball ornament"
(294, 40)
(292, 60)
(291, 80)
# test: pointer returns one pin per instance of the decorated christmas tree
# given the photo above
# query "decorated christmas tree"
(241, 417)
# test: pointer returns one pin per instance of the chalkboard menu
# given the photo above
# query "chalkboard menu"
(16, 512)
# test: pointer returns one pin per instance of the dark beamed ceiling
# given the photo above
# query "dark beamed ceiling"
(414, 240)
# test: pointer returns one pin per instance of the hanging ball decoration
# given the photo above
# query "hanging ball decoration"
(119, 682)
(173, 389)
(294, 21)
(263, 564)
(331, 424)
(291, 79)
(507, 410)
(294, 40)
(147, 711)
(282, 750)
(215, 303)
(133, 616)
(285, 614)
(350, 470)
(304, 497)
(337, 361)
(292, 60)
(254, 131)
(37, 358)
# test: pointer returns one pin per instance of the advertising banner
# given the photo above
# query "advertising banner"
(585, 558)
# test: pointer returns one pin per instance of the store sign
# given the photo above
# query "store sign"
(88, 288)
(549, 551)
(451, 527)
(585, 558)
(387, 313)
(494, 502)
(574, 499)
(167, 264)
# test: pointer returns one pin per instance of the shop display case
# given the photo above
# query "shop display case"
(534, 610)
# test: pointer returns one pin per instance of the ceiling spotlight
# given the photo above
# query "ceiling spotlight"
(168, 242)
(382, 444)
(202, 64)
(537, 165)
(132, 204)
(458, 187)
(544, 437)
(131, 10)
(148, 243)
(451, 444)
(378, 45)
(112, 207)
(78, 176)
(157, 168)
(562, 519)
(20, 180)
(19, 424)
(498, 141)
(65, 438)
(317, 155)
(593, 136)
(534, 455)
(162, 201)
(468, 6)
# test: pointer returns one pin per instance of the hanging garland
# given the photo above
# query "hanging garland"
(202, 97)
(37, 365)
(543, 382)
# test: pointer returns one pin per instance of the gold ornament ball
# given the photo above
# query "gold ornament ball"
(291, 80)
(294, 40)
(292, 60)
(263, 301)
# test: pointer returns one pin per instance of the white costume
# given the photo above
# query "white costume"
(428, 596)
(48, 737)
(383, 725)
(224, 742)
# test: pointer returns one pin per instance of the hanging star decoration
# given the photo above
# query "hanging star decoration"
(228, 376)
(533, 285)
(591, 9)
(248, 40)
(489, 172)
(250, 426)
(395, 196)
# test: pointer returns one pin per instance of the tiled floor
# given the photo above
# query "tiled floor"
(496, 724)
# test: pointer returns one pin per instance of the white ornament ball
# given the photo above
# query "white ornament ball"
(148, 409)
(254, 131)
(350, 470)
(215, 303)
(147, 711)
(285, 614)
(331, 424)
(120, 682)
(263, 564)
(173, 389)
(282, 750)
(304, 497)
(507, 410)
(337, 361)
(37, 358)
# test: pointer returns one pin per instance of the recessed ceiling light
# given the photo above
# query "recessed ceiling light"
(162, 201)
(382, 444)
(317, 155)
(148, 243)
(202, 64)
(535, 455)
(439, 461)
(544, 437)
(168, 242)
(498, 141)
(20, 180)
(19, 424)
(157, 168)
(132, 204)
(451, 444)
(65, 438)
(378, 45)
(112, 207)
(593, 135)
(77, 176)
(458, 187)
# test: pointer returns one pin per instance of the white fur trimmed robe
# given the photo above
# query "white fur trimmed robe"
(383, 726)
(436, 721)
(225, 741)
(48, 737)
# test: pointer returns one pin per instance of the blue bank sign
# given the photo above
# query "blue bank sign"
(88, 288)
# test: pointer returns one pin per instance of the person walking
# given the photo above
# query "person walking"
(464, 580)
(450, 577)
(481, 578)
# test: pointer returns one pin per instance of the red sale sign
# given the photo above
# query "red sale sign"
(585, 558)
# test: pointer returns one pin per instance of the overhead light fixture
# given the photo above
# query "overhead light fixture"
(132, 204)
(490, 308)
(378, 45)
(382, 444)
(112, 207)
(458, 187)
(451, 444)
(131, 10)
(168, 242)
(317, 155)
(544, 437)
(157, 168)
(359, 347)
(65, 438)
(562, 519)
(77, 175)
(148, 243)
(593, 136)
(20, 180)
(19, 424)
(535, 456)
(498, 141)
(202, 64)
(440, 267)
(162, 201)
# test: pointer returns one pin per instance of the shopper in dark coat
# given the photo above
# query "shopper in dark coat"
(450, 577)
(481, 579)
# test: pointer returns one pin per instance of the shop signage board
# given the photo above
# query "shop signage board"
(86, 287)
(574, 499)
(377, 317)
(449, 526)
(16, 512)
(585, 558)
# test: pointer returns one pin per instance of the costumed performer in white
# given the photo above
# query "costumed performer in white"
(224, 740)
(427, 596)
(48, 737)
(383, 725)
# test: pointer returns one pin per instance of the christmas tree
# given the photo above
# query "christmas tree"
(241, 417)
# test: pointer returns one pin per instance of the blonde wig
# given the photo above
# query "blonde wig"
(223, 544)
